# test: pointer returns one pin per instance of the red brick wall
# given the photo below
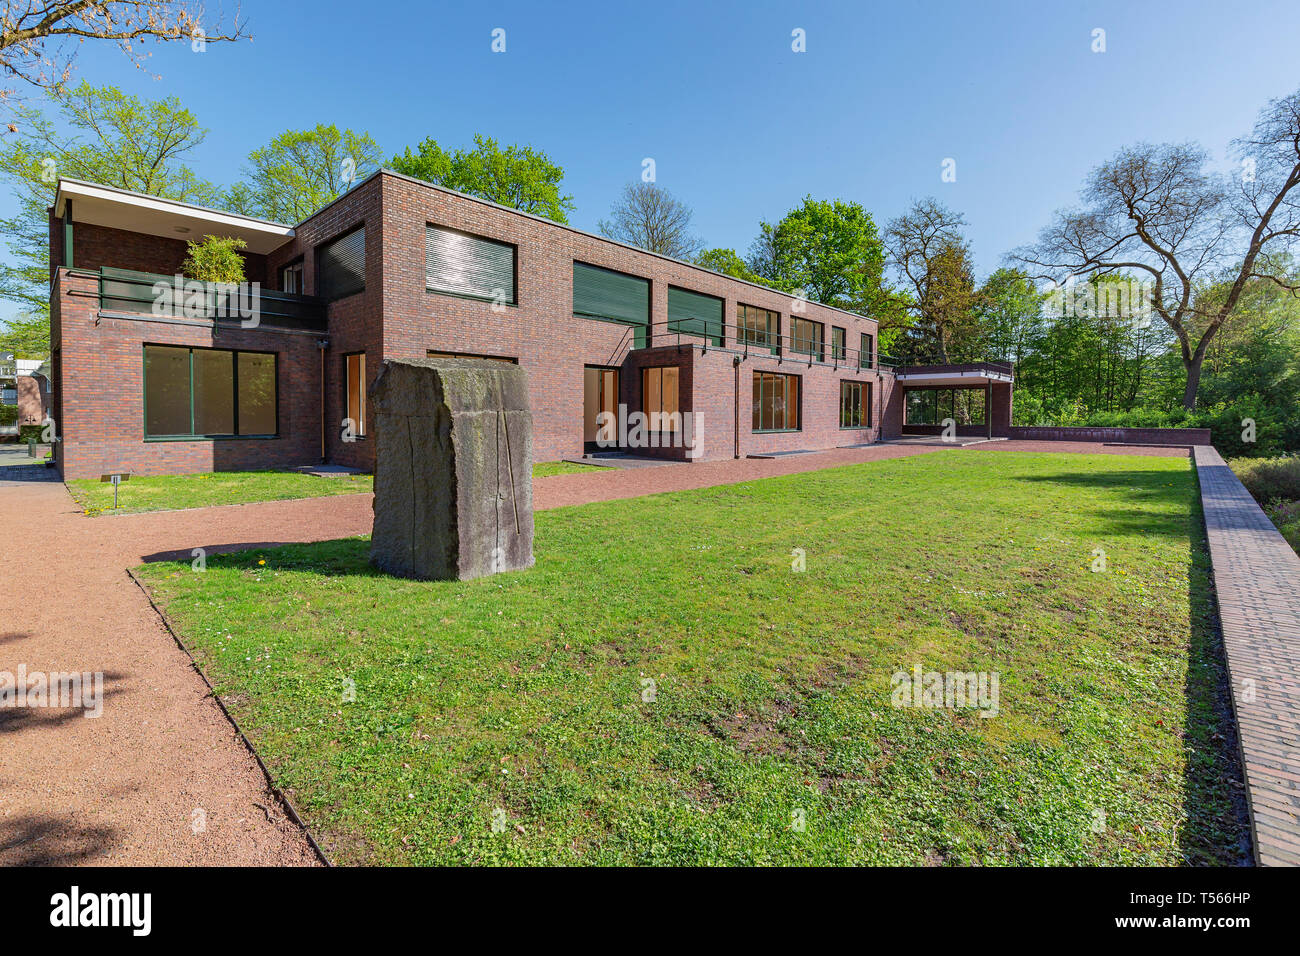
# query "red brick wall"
(554, 345)
(1127, 436)
(102, 393)
(95, 246)
(31, 400)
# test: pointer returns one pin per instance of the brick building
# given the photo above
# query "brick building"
(157, 379)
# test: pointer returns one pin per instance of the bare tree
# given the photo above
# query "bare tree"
(39, 40)
(926, 248)
(648, 216)
(1156, 210)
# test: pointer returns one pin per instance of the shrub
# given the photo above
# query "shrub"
(1270, 480)
(8, 414)
(215, 259)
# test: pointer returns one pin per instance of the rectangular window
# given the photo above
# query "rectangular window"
(612, 296)
(460, 264)
(659, 398)
(695, 314)
(839, 348)
(855, 404)
(291, 278)
(341, 266)
(757, 327)
(808, 337)
(776, 402)
(867, 351)
(208, 393)
(355, 391)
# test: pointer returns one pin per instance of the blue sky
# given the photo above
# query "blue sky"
(741, 127)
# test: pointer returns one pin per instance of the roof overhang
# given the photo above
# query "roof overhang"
(136, 212)
(954, 379)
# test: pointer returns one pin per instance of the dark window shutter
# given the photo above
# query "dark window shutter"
(467, 265)
(605, 294)
(341, 266)
(696, 314)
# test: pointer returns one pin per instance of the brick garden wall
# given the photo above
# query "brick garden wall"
(1125, 436)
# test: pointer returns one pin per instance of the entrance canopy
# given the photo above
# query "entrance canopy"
(973, 375)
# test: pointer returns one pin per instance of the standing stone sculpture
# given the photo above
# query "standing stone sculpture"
(453, 469)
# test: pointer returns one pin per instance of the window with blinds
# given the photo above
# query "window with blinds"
(692, 313)
(612, 296)
(460, 264)
(341, 266)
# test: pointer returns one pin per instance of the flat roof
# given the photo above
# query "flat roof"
(114, 208)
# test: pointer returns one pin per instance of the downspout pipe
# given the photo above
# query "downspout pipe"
(735, 421)
(322, 345)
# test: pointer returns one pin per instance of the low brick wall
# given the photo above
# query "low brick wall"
(1257, 585)
(1123, 436)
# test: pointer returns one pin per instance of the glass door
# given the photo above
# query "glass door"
(599, 394)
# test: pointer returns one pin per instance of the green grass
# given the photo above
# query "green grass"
(522, 697)
(169, 492)
(544, 469)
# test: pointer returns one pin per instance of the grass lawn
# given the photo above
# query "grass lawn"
(167, 492)
(544, 469)
(523, 701)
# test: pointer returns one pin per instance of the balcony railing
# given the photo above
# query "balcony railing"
(125, 290)
(748, 341)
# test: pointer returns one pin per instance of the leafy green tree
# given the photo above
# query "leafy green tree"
(301, 171)
(215, 259)
(728, 262)
(101, 135)
(27, 336)
(520, 177)
(830, 249)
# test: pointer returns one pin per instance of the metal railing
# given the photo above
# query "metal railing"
(745, 341)
(125, 290)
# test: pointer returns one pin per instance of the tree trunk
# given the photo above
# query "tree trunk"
(1193, 366)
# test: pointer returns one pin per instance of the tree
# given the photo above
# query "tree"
(215, 259)
(104, 136)
(650, 217)
(830, 249)
(39, 41)
(728, 262)
(927, 249)
(301, 171)
(27, 336)
(520, 177)
(1156, 210)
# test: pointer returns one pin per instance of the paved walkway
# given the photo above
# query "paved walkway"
(1257, 582)
(122, 788)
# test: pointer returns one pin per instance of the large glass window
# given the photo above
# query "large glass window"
(757, 326)
(867, 351)
(855, 404)
(776, 402)
(659, 398)
(808, 337)
(930, 406)
(208, 393)
(839, 348)
(354, 375)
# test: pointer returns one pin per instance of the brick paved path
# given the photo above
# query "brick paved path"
(1257, 580)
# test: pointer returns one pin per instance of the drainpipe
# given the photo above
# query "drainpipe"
(735, 420)
(321, 346)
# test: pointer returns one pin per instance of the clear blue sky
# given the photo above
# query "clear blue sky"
(741, 127)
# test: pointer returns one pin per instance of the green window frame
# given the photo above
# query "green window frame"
(839, 344)
(867, 350)
(341, 265)
(609, 296)
(855, 404)
(693, 313)
(761, 327)
(190, 393)
(458, 263)
(808, 337)
(777, 403)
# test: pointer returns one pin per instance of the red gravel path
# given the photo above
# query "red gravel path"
(122, 788)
